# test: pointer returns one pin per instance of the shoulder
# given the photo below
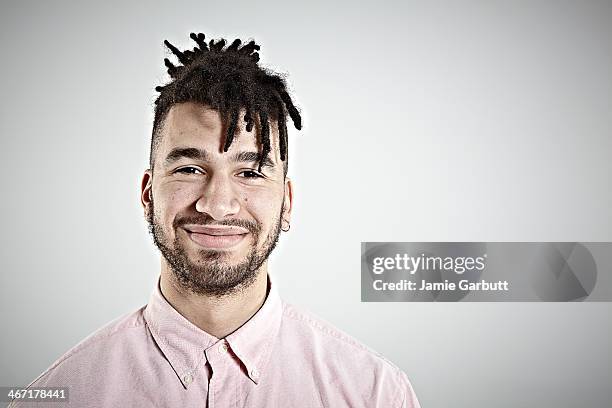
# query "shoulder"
(347, 361)
(96, 347)
(311, 328)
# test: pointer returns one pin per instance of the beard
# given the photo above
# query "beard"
(211, 274)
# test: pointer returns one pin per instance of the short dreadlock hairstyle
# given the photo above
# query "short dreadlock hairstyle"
(229, 80)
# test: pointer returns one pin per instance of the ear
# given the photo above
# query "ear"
(146, 191)
(287, 204)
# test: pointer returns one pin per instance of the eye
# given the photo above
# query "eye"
(188, 170)
(251, 174)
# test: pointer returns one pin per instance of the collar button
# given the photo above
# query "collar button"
(254, 373)
(187, 378)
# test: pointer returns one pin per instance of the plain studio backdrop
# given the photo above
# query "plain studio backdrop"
(429, 121)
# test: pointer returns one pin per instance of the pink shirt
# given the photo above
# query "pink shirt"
(281, 357)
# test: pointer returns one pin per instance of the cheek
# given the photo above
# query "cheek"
(264, 209)
(170, 202)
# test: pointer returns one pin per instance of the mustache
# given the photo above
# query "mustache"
(252, 226)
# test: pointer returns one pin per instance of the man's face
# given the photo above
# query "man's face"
(213, 216)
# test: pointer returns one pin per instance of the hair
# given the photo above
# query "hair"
(228, 80)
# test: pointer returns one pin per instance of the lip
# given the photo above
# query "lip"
(216, 230)
(216, 237)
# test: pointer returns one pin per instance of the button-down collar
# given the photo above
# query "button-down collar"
(185, 345)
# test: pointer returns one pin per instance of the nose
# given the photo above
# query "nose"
(218, 198)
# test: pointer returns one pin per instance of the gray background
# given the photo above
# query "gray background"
(429, 121)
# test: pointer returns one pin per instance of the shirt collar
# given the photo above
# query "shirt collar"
(184, 344)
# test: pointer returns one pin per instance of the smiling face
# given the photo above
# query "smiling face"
(212, 215)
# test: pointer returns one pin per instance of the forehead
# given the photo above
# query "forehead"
(191, 124)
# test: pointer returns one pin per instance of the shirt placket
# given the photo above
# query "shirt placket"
(221, 386)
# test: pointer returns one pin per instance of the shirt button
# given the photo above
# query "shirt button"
(187, 378)
(223, 348)
(254, 373)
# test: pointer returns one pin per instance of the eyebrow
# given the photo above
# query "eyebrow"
(252, 157)
(202, 155)
(185, 152)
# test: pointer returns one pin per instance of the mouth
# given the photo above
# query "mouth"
(216, 237)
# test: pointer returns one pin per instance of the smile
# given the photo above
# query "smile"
(216, 237)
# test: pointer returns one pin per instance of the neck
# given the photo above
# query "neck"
(217, 316)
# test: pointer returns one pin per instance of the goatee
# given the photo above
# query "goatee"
(211, 274)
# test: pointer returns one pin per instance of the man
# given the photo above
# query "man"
(215, 332)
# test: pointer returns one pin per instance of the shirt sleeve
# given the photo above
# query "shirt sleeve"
(408, 396)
